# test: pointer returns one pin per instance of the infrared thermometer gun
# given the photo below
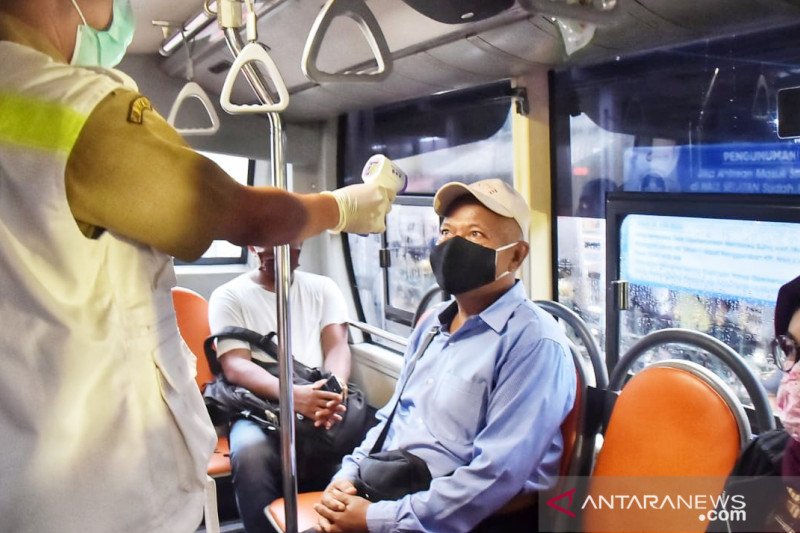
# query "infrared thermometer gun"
(381, 170)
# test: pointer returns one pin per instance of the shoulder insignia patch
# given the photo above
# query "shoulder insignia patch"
(137, 109)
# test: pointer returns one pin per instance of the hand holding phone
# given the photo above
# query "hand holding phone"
(332, 385)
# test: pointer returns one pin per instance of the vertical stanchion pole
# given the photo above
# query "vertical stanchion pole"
(282, 273)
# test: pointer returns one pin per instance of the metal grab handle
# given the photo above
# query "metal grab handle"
(723, 352)
(254, 52)
(358, 11)
(378, 332)
(282, 263)
(582, 13)
(193, 90)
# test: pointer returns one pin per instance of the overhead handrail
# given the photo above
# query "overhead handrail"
(576, 11)
(193, 90)
(229, 17)
(569, 316)
(253, 53)
(763, 411)
(358, 11)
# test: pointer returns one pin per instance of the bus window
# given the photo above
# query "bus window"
(693, 119)
(716, 276)
(463, 136)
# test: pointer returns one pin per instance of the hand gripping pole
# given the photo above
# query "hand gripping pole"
(361, 14)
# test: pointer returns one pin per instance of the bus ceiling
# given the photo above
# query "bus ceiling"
(444, 45)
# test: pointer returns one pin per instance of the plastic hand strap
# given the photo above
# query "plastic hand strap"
(193, 90)
(254, 53)
(361, 14)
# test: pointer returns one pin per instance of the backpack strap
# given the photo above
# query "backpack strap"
(262, 342)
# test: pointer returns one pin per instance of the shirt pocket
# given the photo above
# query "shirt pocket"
(458, 409)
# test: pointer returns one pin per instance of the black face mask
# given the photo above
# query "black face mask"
(461, 265)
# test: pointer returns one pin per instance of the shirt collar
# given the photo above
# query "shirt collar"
(496, 315)
(16, 31)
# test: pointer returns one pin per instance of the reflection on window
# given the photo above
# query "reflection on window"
(390, 295)
(411, 232)
(466, 163)
(698, 118)
(715, 276)
(581, 270)
(364, 256)
(458, 136)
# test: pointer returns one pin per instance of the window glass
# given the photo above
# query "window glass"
(461, 135)
(715, 276)
(221, 251)
(698, 118)
(411, 232)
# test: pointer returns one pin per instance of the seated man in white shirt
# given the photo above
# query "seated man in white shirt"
(319, 339)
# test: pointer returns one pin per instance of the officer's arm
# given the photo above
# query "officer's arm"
(140, 180)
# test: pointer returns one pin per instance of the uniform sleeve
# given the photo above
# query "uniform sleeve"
(334, 307)
(224, 309)
(139, 179)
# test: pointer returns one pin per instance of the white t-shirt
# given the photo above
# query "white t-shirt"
(314, 302)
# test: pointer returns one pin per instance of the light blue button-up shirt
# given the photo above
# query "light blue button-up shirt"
(485, 405)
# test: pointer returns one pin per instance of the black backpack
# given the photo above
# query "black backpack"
(756, 480)
(227, 402)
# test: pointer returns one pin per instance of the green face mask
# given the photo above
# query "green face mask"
(104, 48)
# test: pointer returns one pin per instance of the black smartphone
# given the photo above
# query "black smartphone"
(332, 385)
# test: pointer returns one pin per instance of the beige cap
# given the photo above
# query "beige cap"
(494, 194)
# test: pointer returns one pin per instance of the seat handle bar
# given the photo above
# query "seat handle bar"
(723, 352)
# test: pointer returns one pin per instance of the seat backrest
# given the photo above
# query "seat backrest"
(674, 420)
(571, 427)
(191, 311)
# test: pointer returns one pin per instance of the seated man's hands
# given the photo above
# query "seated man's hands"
(323, 407)
(341, 510)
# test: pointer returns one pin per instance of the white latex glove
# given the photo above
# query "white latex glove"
(362, 207)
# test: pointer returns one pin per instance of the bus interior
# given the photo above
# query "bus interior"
(653, 139)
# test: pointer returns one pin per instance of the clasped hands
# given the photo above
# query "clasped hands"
(341, 510)
(323, 407)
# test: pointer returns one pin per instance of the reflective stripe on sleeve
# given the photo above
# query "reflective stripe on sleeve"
(38, 124)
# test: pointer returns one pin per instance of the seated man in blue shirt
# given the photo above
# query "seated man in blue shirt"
(485, 401)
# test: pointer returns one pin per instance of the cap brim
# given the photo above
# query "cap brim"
(449, 192)
(446, 194)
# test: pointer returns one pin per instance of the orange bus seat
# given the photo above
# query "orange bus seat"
(191, 311)
(674, 419)
(307, 517)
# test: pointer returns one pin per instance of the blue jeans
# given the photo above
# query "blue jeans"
(257, 477)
